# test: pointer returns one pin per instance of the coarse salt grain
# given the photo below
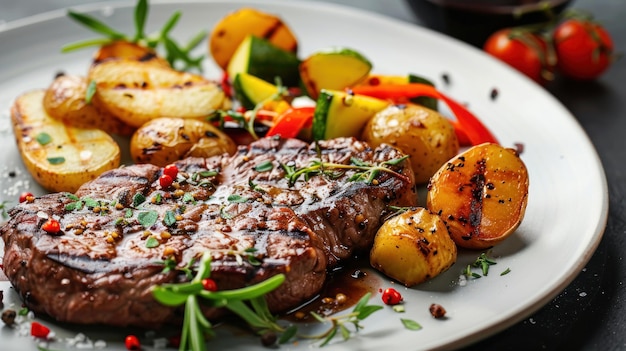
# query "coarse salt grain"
(42, 214)
(85, 155)
(100, 344)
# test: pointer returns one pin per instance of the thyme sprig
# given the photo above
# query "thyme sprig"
(339, 324)
(249, 304)
(174, 52)
(367, 172)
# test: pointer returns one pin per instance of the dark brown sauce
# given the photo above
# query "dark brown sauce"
(343, 289)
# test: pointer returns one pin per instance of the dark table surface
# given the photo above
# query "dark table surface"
(590, 314)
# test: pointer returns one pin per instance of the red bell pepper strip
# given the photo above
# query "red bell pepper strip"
(290, 122)
(460, 134)
(469, 124)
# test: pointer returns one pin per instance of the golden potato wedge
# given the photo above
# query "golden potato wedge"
(481, 195)
(137, 92)
(230, 31)
(413, 247)
(65, 101)
(59, 157)
(424, 134)
(121, 49)
(162, 141)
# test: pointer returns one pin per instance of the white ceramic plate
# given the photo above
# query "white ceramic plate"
(567, 207)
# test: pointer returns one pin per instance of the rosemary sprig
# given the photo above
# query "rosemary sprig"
(249, 304)
(174, 52)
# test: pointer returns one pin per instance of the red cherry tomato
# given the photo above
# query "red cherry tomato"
(391, 296)
(165, 181)
(25, 196)
(209, 284)
(132, 343)
(39, 330)
(171, 170)
(522, 50)
(584, 49)
(51, 226)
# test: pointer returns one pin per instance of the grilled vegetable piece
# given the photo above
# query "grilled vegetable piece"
(162, 141)
(481, 194)
(413, 247)
(59, 157)
(67, 100)
(341, 114)
(335, 68)
(231, 30)
(136, 91)
(418, 131)
(251, 90)
(262, 59)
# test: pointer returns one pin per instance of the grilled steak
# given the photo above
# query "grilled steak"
(251, 210)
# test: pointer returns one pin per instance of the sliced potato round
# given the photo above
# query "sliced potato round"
(59, 157)
(413, 247)
(481, 195)
(65, 100)
(424, 134)
(165, 140)
(136, 92)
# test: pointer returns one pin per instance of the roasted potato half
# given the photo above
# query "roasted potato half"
(481, 195)
(424, 134)
(65, 100)
(165, 140)
(122, 49)
(413, 247)
(59, 157)
(137, 92)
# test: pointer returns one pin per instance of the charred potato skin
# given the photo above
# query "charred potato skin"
(65, 100)
(424, 134)
(481, 195)
(165, 140)
(413, 247)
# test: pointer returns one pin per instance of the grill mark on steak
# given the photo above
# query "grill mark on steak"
(301, 229)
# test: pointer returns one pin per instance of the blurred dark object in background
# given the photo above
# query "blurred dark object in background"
(473, 21)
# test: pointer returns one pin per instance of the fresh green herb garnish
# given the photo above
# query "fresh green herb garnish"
(410, 324)
(483, 262)
(152, 242)
(56, 160)
(43, 138)
(170, 218)
(264, 166)
(367, 172)
(174, 52)
(249, 304)
(138, 199)
(147, 218)
(506, 271)
(91, 91)
(3, 209)
(234, 198)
